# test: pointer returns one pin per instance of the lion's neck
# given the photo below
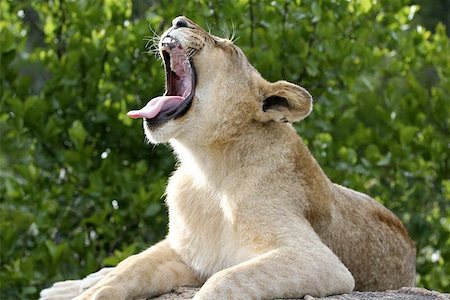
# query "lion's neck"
(206, 164)
(262, 149)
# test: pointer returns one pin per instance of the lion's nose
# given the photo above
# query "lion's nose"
(179, 22)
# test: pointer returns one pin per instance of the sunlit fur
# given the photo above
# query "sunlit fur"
(252, 215)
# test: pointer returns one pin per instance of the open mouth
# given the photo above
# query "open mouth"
(180, 85)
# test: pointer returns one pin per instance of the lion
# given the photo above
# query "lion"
(251, 213)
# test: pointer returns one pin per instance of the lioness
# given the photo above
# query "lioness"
(252, 215)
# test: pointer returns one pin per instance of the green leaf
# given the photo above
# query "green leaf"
(77, 134)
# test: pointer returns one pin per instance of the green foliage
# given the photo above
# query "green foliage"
(79, 188)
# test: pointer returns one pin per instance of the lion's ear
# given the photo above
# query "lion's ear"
(286, 102)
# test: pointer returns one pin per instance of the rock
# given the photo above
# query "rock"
(178, 293)
(407, 293)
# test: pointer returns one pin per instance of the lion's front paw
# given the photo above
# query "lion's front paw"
(102, 293)
(65, 290)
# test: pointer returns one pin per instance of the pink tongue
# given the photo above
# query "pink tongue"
(155, 105)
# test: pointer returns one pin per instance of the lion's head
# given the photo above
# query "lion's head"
(212, 92)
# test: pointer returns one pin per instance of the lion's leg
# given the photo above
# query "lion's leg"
(68, 289)
(154, 271)
(281, 273)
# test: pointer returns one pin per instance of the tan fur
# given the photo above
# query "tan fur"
(252, 215)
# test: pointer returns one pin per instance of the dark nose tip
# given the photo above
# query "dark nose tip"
(179, 22)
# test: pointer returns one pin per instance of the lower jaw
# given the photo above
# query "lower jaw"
(165, 117)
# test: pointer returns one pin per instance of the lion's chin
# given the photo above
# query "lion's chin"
(164, 133)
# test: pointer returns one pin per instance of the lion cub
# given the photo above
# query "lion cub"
(252, 215)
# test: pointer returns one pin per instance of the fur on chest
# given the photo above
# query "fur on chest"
(213, 248)
(202, 229)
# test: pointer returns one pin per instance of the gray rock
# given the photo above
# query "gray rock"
(407, 293)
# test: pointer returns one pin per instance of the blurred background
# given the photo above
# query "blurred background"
(79, 187)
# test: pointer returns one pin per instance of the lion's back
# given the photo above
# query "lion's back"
(371, 242)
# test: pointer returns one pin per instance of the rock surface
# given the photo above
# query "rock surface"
(401, 294)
